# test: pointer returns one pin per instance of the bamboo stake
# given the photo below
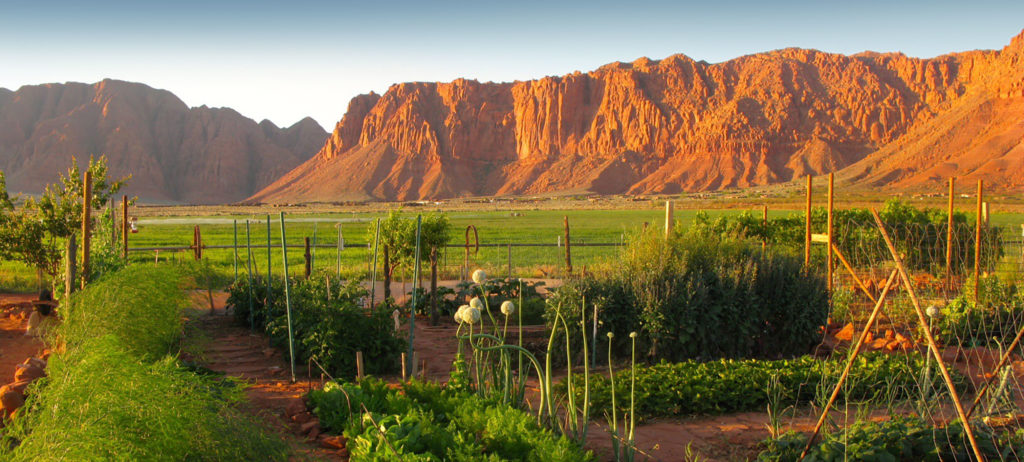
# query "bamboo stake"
(995, 371)
(828, 260)
(928, 335)
(849, 363)
(69, 269)
(248, 260)
(359, 365)
(568, 252)
(373, 272)
(287, 297)
(849, 268)
(949, 237)
(977, 242)
(807, 230)
(235, 249)
(668, 219)
(416, 283)
(86, 225)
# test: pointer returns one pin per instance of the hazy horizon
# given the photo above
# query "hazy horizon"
(284, 62)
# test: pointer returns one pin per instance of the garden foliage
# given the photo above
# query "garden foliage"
(423, 422)
(329, 328)
(725, 386)
(901, 439)
(702, 295)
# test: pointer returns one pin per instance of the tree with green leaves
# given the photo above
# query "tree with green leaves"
(33, 230)
(398, 243)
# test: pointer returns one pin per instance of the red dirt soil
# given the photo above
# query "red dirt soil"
(15, 347)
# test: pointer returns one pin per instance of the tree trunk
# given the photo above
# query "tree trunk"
(433, 286)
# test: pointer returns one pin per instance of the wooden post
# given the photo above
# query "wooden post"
(807, 231)
(308, 257)
(124, 224)
(69, 269)
(113, 224)
(849, 362)
(405, 374)
(86, 225)
(568, 251)
(977, 241)
(932, 345)
(669, 220)
(831, 184)
(764, 224)
(949, 237)
(359, 365)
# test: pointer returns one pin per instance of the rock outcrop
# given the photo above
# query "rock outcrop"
(676, 125)
(174, 153)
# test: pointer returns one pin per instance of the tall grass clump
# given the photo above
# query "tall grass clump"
(704, 295)
(115, 390)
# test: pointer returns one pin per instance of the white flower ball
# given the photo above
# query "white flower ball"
(476, 303)
(508, 308)
(632, 335)
(479, 276)
(472, 315)
(460, 314)
(611, 335)
(932, 311)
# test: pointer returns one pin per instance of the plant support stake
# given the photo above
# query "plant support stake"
(248, 260)
(86, 225)
(234, 249)
(287, 298)
(373, 272)
(415, 286)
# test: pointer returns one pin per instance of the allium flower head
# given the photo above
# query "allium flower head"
(476, 303)
(632, 334)
(932, 311)
(611, 334)
(472, 315)
(460, 313)
(508, 308)
(479, 276)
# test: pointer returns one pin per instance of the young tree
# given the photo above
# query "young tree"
(398, 240)
(33, 232)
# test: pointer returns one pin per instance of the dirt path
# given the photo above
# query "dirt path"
(15, 347)
(220, 345)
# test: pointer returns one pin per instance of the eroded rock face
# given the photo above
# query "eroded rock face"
(174, 153)
(647, 126)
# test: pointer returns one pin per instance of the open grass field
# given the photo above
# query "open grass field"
(498, 224)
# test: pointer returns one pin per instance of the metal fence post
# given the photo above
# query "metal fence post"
(287, 297)
(415, 286)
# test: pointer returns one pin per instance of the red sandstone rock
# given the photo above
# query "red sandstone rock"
(26, 372)
(173, 152)
(680, 125)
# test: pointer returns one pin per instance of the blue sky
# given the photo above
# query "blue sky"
(286, 60)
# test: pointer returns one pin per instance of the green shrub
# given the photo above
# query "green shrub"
(700, 295)
(724, 386)
(901, 439)
(421, 421)
(328, 328)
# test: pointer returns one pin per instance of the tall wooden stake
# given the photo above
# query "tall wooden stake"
(69, 269)
(124, 224)
(849, 362)
(949, 237)
(977, 242)
(828, 258)
(568, 252)
(308, 258)
(764, 224)
(932, 345)
(807, 232)
(287, 297)
(86, 225)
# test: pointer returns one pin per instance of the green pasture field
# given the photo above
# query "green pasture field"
(166, 227)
